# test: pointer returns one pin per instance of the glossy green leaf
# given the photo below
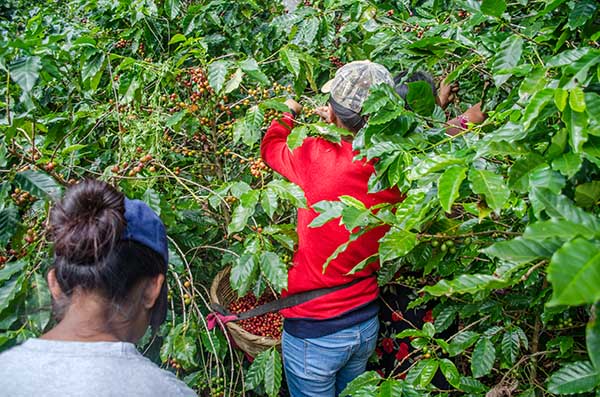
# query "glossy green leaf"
(522, 250)
(420, 98)
(9, 219)
(582, 11)
(432, 164)
(172, 8)
(11, 269)
(449, 185)
(274, 270)
(493, 8)
(39, 303)
(462, 341)
(234, 81)
(38, 184)
(251, 68)
(273, 373)
(557, 228)
(577, 100)
(244, 274)
(576, 123)
(574, 378)
(559, 206)
(536, 104)
(568, 164)
(243, 211)
(574, 272)
(428, 372)
(217, 72)
(465, 284)
(560, 98)
(507, 57)
(482, 360)
(9, 290)
(511, 346)
(396, 243)
(25, 72)
(450, 372)
(367, 379)
(297, 136)
(587, 194)
(491, 186)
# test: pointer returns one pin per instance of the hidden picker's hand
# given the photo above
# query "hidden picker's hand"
(294, 106)
(324, 112)
(447, 93)
(472, 115)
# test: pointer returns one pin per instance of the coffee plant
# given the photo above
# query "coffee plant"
(168, 100)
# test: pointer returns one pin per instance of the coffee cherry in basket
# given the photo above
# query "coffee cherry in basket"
(269, 325)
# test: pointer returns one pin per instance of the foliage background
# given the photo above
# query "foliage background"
(168, 100)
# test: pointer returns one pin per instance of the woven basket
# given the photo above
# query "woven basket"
(221, 293)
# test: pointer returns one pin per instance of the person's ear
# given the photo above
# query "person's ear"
(53, 285)
(152, 291)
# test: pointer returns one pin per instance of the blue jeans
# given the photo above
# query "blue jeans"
(324, 366)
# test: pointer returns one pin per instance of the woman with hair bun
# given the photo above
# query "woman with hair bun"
(107, 285)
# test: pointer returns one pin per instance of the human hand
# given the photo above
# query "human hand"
(294, 106)
(446, 93)
(474, 114)
(324, 113)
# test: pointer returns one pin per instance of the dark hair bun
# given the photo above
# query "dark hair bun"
(88, 222)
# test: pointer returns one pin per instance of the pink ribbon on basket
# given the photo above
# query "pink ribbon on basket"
(215, 318)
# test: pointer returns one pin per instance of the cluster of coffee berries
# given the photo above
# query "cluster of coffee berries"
(565, 322)
(409, 281)
(22, 197)
(257, 167)
(50, 166)
(269, 325)
(173, 363)
(389, 13)
(3, 260)
(269, 115)
(30, 236)
(416, 29)
(217, 388)
(336, 62)
(446, 246)
(122, 43)
(463, 14)
(141, 50)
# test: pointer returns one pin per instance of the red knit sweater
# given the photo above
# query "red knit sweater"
(326, 171)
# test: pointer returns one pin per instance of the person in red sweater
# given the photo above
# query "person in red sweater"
(328, 340)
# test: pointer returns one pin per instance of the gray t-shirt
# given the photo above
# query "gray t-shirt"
(52, 368)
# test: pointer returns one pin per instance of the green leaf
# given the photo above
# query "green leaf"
(592, 336)
(557, 228)
(559, 206)
(396, 243)
(244, 274)
(482, 360)
(576, 124)
(172, 8)
(289, 191)
(234, 81)
(251, 68)
(536, 104)
(391, 388)
(506, 58)
(432, 164)
(92, 68)
(560, 98)
(449, 185)
(297, 136)
(582, 11)
(10, 269)
(9, 219)
(217, 71)
(472, 385)
(573, 378)
(574, 272)
(462, 341)
(256, 373)
(39, 303)
(428, 372)
(327, 210)
(268, 200)
(445, 318)
(243, 211)
(587, 194)
(542, 176)
(450, 372)
(494, 8)
(366, 380)
(522, 250)
(152, 198)
(272, 373)
(568, 164)
(568, 57)
(510, 346)
(9, 290)
(577, 99)
(420, 98)
(274, 270)
(25, 72)
(466, 284)
(291, 60)
(38, 184)
(491, 186)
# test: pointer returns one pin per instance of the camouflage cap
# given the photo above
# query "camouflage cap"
(350, 86)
